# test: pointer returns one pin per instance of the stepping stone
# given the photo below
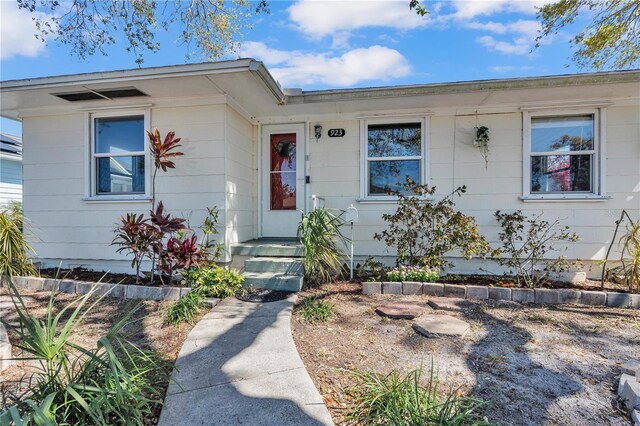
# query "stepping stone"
(453, 305)
(400, 310)
(440, 325)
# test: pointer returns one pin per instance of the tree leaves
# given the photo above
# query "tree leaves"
(611, 40)
(89, 26)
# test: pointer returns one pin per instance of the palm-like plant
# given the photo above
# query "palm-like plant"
(162, 152)
(136, 237)
(14, 248)
(319, 232)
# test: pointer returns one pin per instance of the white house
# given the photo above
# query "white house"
(10, 169)
(251, 150)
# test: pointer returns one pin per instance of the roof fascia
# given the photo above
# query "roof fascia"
(255, 67)
(610, 77)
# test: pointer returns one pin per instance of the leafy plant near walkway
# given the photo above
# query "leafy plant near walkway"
(313, 309)
(14, 248)
(423, 230)
(213, 280)
(111, 384)
(323, 242)
(527, 241)
(207, 280)
(185, 309)
(397, 400)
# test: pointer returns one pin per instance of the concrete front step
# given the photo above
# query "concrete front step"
(282, 265)
(268, 248)
(275, 281)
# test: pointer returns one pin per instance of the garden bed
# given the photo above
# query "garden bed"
(533, 364)
(145, 328)
(82, 274)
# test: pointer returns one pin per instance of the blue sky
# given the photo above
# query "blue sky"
(336, 44)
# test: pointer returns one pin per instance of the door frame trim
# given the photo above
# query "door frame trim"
(305, 145)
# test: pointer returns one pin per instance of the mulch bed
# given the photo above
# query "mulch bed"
(81, 274)
(260, 295)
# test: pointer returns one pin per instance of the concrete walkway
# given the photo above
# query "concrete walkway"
(239, 365)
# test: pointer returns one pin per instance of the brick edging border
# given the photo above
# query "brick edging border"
(121, 291)
(476, 292)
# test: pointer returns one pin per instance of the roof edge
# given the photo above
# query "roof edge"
(236, 65)
(605, 77)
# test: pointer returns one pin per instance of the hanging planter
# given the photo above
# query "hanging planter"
(482, 142)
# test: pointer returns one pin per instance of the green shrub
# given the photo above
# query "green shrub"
(319, 232)
(111, 384)
(315, 310)
(395, 400)
(526, 241)
(184, 309)
(14, 248)
(213, 280)
(409, 273)
(423, 230)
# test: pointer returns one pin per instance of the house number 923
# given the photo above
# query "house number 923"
(336, 133)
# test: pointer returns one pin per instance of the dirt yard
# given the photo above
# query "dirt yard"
(533, 364)
(145, 328)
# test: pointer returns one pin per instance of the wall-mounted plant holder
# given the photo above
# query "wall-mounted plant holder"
(482, 142)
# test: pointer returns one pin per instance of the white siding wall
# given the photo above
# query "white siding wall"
(215, 173)
(10, 181)
(241, 186)
(77, 232)
(335, 175)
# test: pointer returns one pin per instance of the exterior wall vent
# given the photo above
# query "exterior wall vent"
(108, 94)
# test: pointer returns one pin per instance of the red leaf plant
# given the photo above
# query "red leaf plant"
(181, 254)
(136, 237)
(162, 152)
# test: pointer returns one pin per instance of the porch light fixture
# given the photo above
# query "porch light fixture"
(317, 131)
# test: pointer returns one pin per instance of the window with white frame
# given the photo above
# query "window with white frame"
(393, 152)
(563, 158)
(118, 155)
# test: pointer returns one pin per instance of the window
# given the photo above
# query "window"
(118, 155)
(393, 151)
(562, 153)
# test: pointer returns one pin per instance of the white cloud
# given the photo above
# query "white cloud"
(503, 69)
(526, 27)
(295, 68)
(17, 31)
(518, 37)
(518, 46)
(469, 9)
(336, 18)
